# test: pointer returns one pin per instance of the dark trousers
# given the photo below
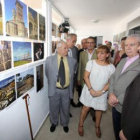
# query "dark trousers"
(116, 122)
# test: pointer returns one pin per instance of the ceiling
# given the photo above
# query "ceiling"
(108, 12)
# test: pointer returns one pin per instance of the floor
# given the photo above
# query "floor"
(89, 130)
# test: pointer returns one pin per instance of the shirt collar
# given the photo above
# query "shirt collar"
(133, 58)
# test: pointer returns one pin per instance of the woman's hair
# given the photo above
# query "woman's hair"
(105, 49)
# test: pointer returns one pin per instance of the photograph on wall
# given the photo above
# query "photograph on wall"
(21, 53)
(1, 19)
(5, 55)
(39, 78)
(38, 51)
(41, 27)
(24, 82)
(16, 18)
(7, 92)
(33, 24)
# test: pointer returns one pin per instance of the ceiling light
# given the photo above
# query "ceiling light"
(95, 20)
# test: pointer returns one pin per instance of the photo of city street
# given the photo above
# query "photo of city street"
(7, 92)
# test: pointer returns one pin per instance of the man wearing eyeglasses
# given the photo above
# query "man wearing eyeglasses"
(126, 71)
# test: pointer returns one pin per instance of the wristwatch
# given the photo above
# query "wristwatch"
(103, 91)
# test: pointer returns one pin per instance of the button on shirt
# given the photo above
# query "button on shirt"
(67, 72)
(129, 61)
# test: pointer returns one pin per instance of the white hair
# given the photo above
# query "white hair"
(59, 44)
(71, 35)
(137, 36)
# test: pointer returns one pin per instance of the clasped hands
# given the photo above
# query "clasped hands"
(95, 93)
(112, 100)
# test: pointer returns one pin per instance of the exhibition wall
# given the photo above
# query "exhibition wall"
(23, 49)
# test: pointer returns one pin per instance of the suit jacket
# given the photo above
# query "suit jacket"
(119, 82)
(51, 70)
(131, 111)
(74, 52)
(82, 65)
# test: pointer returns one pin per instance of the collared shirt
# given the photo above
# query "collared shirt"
(129, 61)
(67, 72)
(90, 54)
(70, 53)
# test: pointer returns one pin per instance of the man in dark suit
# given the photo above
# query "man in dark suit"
(126, 71)
(73, 52)
(60, 70)
(130, 121)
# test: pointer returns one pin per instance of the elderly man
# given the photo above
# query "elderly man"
(60, 70)
(73, 52)
(126, 71)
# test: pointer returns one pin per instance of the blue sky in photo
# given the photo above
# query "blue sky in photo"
(33, 12)
(21, 48)
(23, 74)
(6, 81)
(9, 5)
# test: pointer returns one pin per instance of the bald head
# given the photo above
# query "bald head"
(84, 43)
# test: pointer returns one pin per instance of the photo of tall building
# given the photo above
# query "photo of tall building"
(41, 27)
(1, 22)
(7, 92)
(5, 55)
(16, 18)
(33, 24)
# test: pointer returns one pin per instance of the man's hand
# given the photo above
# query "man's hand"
(122, 137)
(112, 100)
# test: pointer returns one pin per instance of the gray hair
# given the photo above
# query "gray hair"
(137, 36)
(59, 44)
(71, 35)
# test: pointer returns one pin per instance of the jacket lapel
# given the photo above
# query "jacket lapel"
(69, 64)
(55, 65)
(132, 65)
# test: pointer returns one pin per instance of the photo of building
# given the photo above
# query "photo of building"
(21, 53)
(41, 27)
(33, 24)
(1, 22)
(7, 92)
(39, 77)
(24, 81)
(5, 55)
(16, 18)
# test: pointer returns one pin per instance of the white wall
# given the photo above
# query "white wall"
(106, 32)
(122, 26)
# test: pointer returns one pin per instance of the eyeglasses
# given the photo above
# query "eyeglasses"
(131, 45)
(90, 42)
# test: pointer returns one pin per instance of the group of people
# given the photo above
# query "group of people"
(98, 82)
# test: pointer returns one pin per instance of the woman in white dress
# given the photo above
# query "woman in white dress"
(94, 93)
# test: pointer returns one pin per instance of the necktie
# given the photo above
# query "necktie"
(61, 73)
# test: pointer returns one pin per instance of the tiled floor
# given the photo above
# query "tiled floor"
(89, 130)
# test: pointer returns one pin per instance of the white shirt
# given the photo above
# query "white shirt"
(90, 54)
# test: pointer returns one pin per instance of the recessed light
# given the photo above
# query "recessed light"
(95, 20)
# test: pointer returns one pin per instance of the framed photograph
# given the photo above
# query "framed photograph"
(5, 55)
(1, 19)
(7, 92)
(41, 27)
(33, 24)
(38, 51)
(24, 81)
(16, 18)
(21, 53)
(39, 77)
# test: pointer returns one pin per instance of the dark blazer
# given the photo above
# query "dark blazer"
(130, 122)
(74, 52)
(51, 70)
